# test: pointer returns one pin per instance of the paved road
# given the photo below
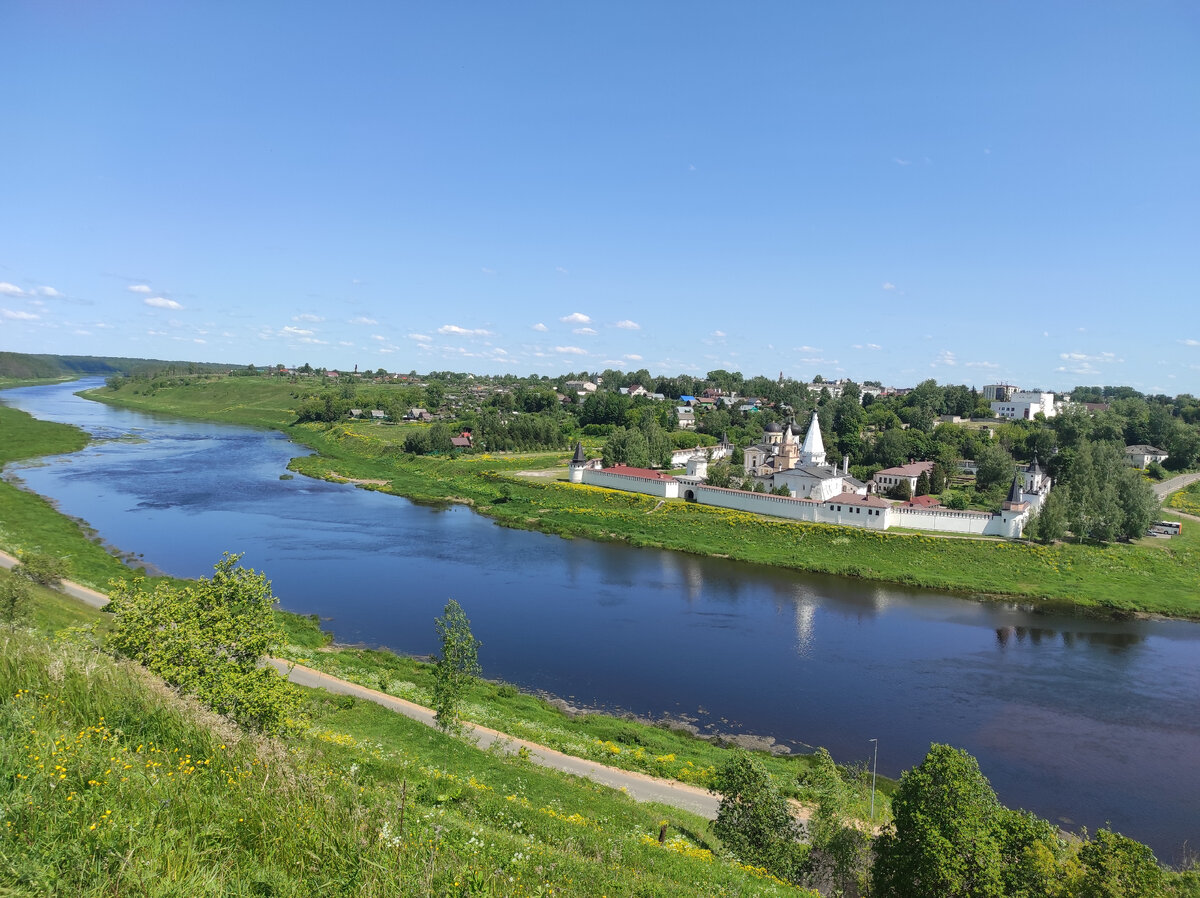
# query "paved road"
(1175, 483)
(637, 785)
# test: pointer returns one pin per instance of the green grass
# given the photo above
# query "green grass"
(1157, 576)
(660, 751)
(1186, 500)
(111, 784)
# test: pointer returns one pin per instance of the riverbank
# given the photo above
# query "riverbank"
(1148, 577)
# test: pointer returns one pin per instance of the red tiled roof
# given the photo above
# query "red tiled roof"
(923, 502)
(643, 473)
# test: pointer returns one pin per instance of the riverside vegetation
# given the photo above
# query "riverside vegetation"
(1147, 575)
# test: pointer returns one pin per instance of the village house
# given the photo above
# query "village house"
(1141, 456)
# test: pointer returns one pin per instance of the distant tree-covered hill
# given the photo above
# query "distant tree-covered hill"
(23, 365)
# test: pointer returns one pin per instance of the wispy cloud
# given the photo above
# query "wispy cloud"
(718, 333)
(1103, 357)
(307, 316)
(361, 319)
(161, 302)
(874, 347)
(1190, 342)
(561, 270)
(989, 365)
(17, 315)
(421, 338)
(290, 331)
(633, 357)
(946, 358)
(586, 331)
(570, 350)
(629, 325)
(141, 288)
(888, 285)
(455, 330)
(10, 289)
(576, 318)
(541, 328)
(900, 161)
(49, 291)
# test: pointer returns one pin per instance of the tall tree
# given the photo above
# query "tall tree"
(455, 668)
(942, 843)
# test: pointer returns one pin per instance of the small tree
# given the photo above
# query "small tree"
(902, 490)
(753, 819)
(209, 637)
(15, 599)
(41, 568)
(455, 668)
(923, 485)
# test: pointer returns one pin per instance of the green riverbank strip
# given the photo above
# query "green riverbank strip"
(1152, 576)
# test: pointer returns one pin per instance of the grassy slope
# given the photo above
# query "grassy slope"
(1156, 576)
(112, 785)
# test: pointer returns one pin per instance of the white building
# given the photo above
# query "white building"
(1141, 456)
(1024, 405)
(998, 392)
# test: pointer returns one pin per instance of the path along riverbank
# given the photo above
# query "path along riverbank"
(638, 786)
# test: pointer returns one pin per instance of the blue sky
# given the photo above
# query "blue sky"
(971, 192)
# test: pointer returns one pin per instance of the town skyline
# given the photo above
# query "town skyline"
(974, 195)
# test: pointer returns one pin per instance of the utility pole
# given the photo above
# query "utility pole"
(874, 771)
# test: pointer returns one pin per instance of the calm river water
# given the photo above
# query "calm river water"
(1085, 722)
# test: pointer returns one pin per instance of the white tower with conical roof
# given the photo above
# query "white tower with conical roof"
(812, 453)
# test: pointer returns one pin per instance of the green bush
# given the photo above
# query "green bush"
(41, 568)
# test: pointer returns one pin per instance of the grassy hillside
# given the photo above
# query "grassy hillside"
(1114, 578)
(112, 784)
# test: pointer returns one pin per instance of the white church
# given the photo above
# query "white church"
(783, 460)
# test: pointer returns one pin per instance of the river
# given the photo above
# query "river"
(1084, 721)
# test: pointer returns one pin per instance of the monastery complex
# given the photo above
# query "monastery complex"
(820, 492)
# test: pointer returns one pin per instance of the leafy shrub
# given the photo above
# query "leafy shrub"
(42, 568)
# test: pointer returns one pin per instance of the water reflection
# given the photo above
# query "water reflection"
(1116, 641)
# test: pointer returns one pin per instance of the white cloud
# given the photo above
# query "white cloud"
(10, 289)
(576, 318)
(888, 285)
(290, 331)
(586, 331)
(18, 315)
(457, 331)
(629, 325)
(421, 338)
(945, 357)
(718, 333)
(874, 347)
(980, 365)
(900, 161)
(363, 320)
(633, 357)
(378, 337)
(540, 327)
(307, 317)
(49, 291)
(80, 332)
(806, 349)
(1085, 357)
(488, 270)
(141, 288)
(1190, 342)
(561, 270)
(198, 340)
(161, 302)
(570, 350)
